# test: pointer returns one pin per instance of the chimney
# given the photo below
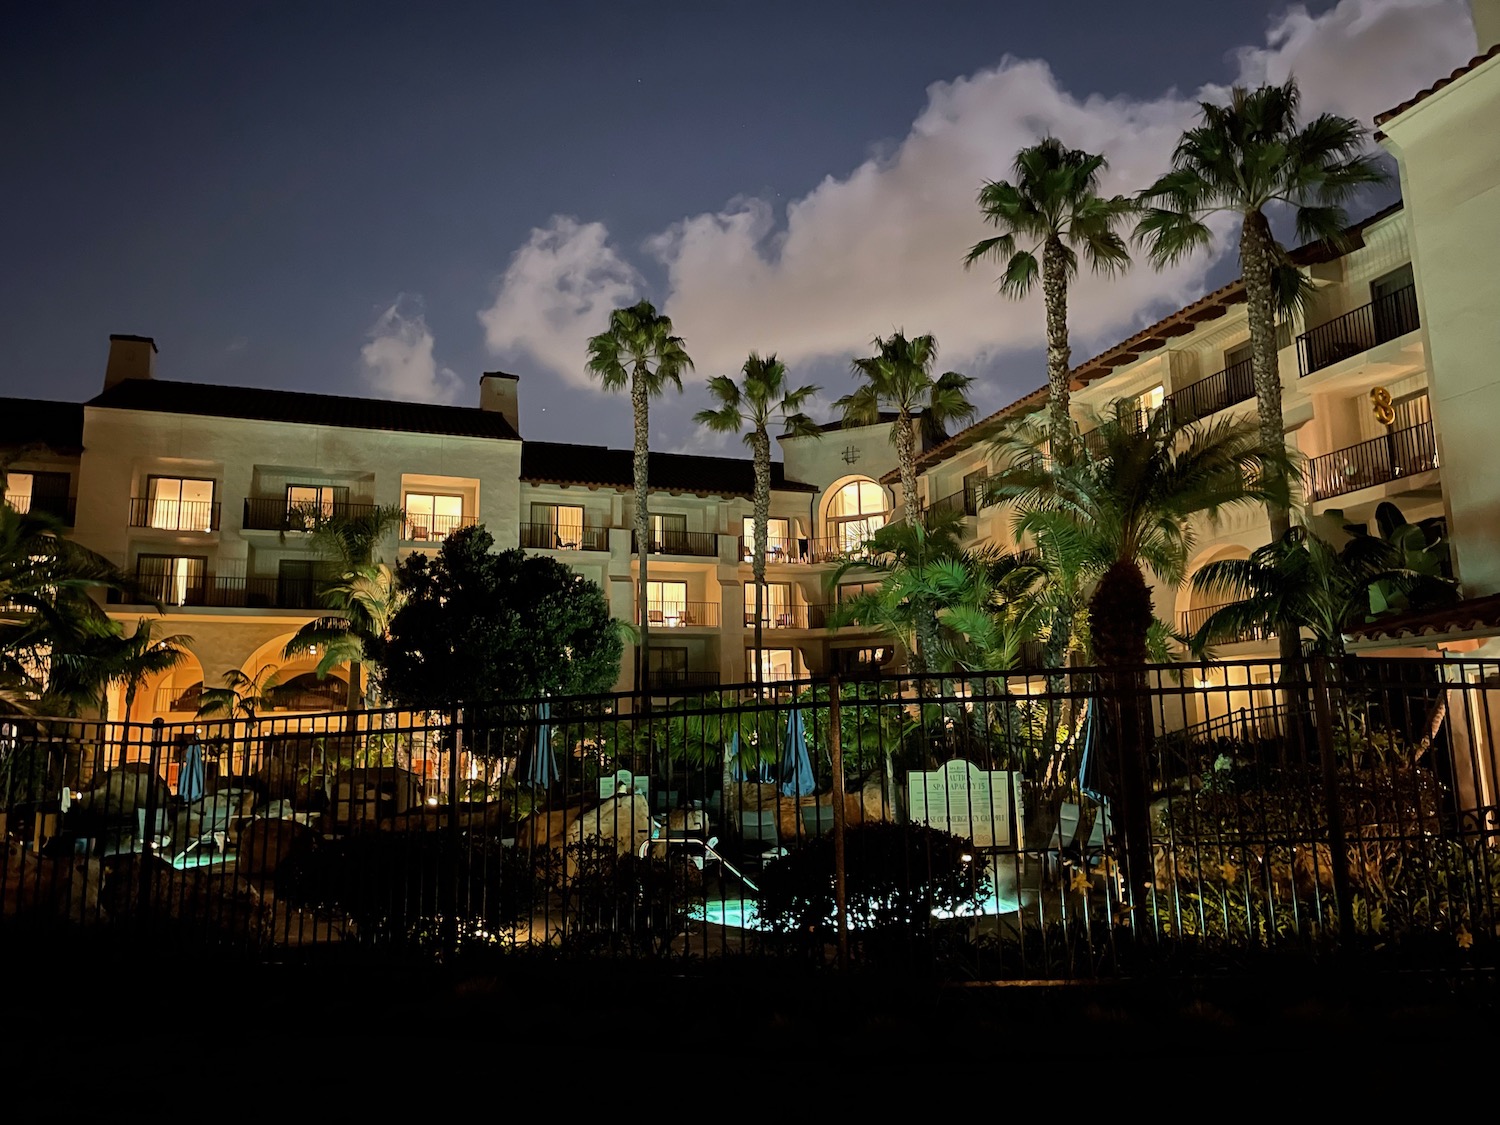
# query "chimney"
(130, 357)
(1486, 15)
(497, 392)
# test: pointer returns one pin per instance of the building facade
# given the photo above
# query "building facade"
(207, 497)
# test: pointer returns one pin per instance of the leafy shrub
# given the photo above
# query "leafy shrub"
(897, 876)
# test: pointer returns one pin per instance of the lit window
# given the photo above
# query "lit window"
(172, 579)
(557, 526)
(432, 516)
(776, 664)
(778, 539)
(855, 512)
(666, 604)
(313, 502)
(776, 606)
(179, 504)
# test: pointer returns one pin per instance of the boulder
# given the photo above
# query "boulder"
(116, 793)
(266, 843)
(625, 819)
(62, 887)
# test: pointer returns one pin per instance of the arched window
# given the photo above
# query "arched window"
(855, 512)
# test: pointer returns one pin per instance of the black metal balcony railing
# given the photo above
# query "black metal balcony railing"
(1400, 453)
(671, 681)
(779, 549)
(1191, 620)
(228, 592)
(965, 502)
(677, 615)
(547, 537)
(786, 616)
(419, 529)
(60, 508)
(1220, 391)
(700, 544)
(174, 515)
(1393, 315)
(273, 513)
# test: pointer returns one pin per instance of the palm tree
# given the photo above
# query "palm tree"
(364, 601)
(899, 377)
(242, 696)
(762, 398)
(1243, 159)
(639, 353)
(1302, 580)
(1128, 500)
(132, 660)
(364, 597)
(1053, 205)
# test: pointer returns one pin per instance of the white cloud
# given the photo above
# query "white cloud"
(398, 360)
(881, 247)
(557, 292)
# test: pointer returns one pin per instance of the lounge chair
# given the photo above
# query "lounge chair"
(761, 835)
(817, 820)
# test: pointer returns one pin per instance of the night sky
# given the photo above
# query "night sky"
(388, 199)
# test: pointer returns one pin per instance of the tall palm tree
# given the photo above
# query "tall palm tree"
(640, 354)
(1128, 501)
(1055, 206)
(899, 377)
(1244, 158)
(762, 398)
(364, 597)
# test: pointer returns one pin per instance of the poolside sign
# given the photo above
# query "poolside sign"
(961, 798)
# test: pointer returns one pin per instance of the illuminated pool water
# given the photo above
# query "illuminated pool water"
(741, 913)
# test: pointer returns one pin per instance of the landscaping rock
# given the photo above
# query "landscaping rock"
(266, 843)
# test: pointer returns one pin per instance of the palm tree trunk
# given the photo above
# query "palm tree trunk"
(355, 679)
(1119, 617)
(642, 464)
(761, 447)
(1256, 241)
(1055, 297)
(906, 457)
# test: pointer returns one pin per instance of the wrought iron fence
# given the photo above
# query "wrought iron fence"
(700, 544)
(1219, 391)
(995, 825)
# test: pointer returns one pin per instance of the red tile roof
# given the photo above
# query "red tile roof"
(1423, 95)
(1471, 616)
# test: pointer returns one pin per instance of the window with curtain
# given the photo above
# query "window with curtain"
(313, 502)
(561, 525)
(432, 515)
(776, 605)
(666, 603)
(778, 539)
(173, 579)
(776, 664)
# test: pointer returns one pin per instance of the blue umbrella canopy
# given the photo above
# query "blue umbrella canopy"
(794, 774)
(541, 767)
(190, 775)
(1094, 742)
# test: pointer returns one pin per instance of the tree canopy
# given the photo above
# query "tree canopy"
(480, 627)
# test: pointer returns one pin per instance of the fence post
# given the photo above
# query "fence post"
(840, 888)
(455, 749)
(148, 840)
(1336, 841)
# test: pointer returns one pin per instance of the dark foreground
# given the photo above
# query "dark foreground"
(561, 1011)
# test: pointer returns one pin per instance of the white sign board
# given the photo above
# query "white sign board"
(984, 806)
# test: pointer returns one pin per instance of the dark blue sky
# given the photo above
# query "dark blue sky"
(253, 183)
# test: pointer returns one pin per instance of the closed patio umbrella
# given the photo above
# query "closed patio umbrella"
(190, 775)
(1094, 743)
(541, 766)
(794, 775)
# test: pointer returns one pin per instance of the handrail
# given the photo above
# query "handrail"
(1400, 453)
(174, 515)
(675, 615)
(549, 537)
(1191, 620)
(699, 544)
(1359, 330)
(276, 513)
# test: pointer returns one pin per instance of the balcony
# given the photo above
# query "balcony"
(546, 537)
(680, 615)
(425, 529)
(1191, 620)
(786, 616)
(676, 681)
(1391, 316)
(175, 515)
(273, 513)
(1401, 453)
(965, 502)
(698, 544)
(1220, 391)
(230, 593)
(60, 508)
